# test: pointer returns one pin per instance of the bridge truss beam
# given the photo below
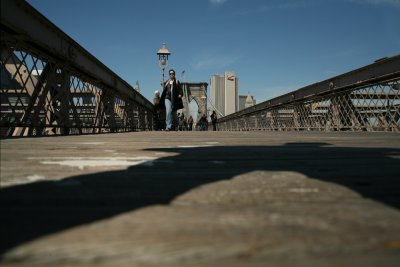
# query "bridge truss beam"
(366, 99)
(52, 85)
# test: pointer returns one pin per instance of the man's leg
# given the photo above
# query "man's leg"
(168, 115)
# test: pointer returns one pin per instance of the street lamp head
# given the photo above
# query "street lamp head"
(163, 54)
(163, 50)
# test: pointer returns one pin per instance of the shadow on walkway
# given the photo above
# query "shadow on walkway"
(33, 210)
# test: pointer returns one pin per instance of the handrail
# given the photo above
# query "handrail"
(23, 21)
(52, 85)
(382, 70)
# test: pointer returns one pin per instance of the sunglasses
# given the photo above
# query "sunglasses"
(172, 73)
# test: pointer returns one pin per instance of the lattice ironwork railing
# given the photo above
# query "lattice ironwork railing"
(40, 96)
(50, 85)
(368, 105)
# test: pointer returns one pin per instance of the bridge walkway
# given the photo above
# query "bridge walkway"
(201, 199)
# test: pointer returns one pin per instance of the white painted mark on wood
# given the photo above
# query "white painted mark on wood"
(82, 163)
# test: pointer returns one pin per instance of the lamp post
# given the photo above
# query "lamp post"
(163, 54)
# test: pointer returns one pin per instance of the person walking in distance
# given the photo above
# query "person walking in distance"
(157, 110)
(203, 123)
(172, 96)
(182, 122)
(214, 120)
(190, 123)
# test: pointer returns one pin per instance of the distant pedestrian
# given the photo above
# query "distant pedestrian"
(190, 123)
(182, 122)
(214, 120)
(157, 110)
(172, 96)
(203, 123)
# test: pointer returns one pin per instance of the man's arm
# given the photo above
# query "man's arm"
(180, 91)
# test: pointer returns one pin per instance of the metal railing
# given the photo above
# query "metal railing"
(51, 85)
(366, 99)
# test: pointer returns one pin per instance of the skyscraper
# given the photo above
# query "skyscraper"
(224, 93)
(217, 94)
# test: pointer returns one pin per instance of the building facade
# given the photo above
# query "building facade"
(217, 94)
(224, 93)
(246, 101)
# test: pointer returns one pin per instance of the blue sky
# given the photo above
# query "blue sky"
(273, 46)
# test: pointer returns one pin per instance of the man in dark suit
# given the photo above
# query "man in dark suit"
(172, 97)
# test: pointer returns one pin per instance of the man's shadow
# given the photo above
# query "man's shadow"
(33, 210)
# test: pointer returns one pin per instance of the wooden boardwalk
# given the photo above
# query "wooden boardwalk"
(201, 199)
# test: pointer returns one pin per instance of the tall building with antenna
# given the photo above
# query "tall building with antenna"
(224, 93)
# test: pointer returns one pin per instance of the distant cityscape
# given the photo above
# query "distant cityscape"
(223, 96)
